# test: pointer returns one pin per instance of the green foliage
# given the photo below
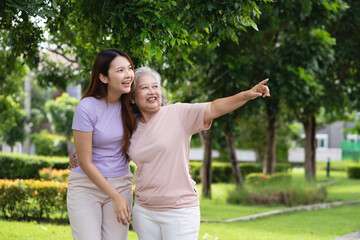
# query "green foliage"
(165, 30)
(222, 172)
(11, 120)
(62, 112)
(35, 199)
(57, 175)
(56, 74)
(353, 171)
(282, 194)
(260, 179)
(26, 167)
(47, 144)
(16, 133)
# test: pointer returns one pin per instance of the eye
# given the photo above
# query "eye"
(119, 70)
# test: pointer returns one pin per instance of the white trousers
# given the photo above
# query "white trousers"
(91, 212)
(174, 224)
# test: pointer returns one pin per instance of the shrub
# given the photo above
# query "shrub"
(238, 196)
(260, 179)
(31, 198)
(222, 172)
(47, 144)
(26, 167)
(285, 196)
(353, 171)
(50, 174)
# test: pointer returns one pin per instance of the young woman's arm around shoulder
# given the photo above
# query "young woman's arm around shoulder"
(83, 146)
(222, 106)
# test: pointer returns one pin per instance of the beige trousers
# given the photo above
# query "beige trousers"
(91, 212)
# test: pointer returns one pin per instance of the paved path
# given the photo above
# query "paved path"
(351, 236)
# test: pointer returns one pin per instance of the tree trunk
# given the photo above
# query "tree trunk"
(270, 149)
(233, 159)
(206, 171)
(69, 145)
(310, 148)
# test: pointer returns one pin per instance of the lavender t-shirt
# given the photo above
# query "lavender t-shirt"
(104, 120)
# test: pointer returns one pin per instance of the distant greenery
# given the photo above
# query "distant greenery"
(47, 144)
(24, 166)
(354, 171)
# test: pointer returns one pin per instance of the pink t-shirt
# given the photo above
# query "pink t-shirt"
(160, 149)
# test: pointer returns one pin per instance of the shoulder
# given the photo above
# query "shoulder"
(186, 106)
(89, 106)
(90, 103)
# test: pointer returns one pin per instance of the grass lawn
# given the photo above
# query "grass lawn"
(302, 225)
(12, 230)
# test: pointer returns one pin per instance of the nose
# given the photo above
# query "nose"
(151, 90)
(129, 73)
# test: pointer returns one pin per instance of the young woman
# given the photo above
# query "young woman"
(100, 189)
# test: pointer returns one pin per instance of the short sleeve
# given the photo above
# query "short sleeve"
(84, 117)
(192, 117)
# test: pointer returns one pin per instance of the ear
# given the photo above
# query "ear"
(132, 100)
(103, 78)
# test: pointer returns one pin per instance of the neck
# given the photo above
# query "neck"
(146, 117)
(113, 98)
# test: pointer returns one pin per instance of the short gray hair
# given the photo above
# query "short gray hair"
(138, 73)
(146, 70)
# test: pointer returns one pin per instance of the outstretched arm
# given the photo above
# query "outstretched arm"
(222, 106)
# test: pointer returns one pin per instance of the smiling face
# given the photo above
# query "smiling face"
(119, 78)
(147, 94)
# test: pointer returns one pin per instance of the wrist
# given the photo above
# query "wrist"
(114, 195)
(246, 95)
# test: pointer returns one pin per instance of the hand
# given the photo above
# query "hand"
(259, 90)
(73, 161)
(122, 210)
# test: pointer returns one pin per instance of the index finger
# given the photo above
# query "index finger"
(264, 81)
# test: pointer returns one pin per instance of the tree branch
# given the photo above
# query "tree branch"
(62, 54)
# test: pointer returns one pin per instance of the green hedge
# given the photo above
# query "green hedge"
(25, 167)
(353, 171)
(222, 172)
(29, 199)
(285, 196)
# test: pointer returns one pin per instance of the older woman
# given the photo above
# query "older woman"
(166, 200)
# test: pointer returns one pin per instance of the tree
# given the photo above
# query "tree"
(294, 51)
(62, 112)
(166, 31)
(345, 69)
(12, 117)
(20, 36)
(307, 68)
(17, 132)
